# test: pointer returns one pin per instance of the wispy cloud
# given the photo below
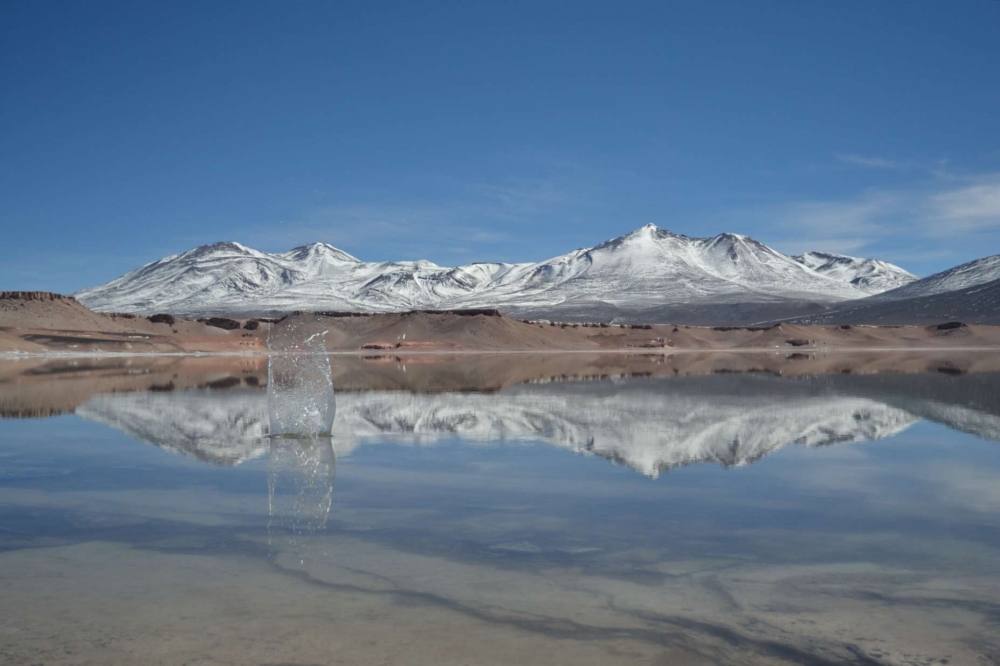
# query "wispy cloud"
(66, 272)
(822, 244)
(846, 225)
(903, 223)
(857, 216)
(867, 161)
(481, 221)
(938, 167)
(939, 217)
(974, 207)
(525, 195)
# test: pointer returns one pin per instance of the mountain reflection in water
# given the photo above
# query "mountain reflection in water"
(651, 425)
(476, 520)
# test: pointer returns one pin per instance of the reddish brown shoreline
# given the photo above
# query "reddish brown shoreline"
(36, 387)
(43, 323)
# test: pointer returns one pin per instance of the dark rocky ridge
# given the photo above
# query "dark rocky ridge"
(34, 296)
(978, 304)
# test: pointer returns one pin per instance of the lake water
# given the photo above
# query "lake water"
(496, 510)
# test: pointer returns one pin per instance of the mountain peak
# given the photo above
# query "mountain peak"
(802, 258)
(652, 231)
(638, 237)
(231, 246)
(220, 249)
(731, 239)
(320, 250)
(868, 275)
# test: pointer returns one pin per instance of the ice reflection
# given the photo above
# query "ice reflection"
(300, 476)
(301, 409)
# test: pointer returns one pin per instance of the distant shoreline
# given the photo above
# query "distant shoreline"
(265, 353)
(38, 324)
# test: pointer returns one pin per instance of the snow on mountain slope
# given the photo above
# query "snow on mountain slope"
(319, 258)
(652, 266)
(646, 268)
(979, 304)
(869, 275)
(968, 293)
(974, 273)
(182, 282)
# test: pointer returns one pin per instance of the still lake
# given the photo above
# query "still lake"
(496, 510)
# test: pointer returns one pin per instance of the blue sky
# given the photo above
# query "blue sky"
(462, 131)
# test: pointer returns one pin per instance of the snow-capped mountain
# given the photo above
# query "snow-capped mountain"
(648, 267)
(969, 293)
(972, 274)
(652, 266)
(869, 275)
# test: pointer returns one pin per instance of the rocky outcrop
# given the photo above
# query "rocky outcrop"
(33, 296)
(222, 322)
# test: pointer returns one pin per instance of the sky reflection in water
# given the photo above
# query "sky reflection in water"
(707, 519)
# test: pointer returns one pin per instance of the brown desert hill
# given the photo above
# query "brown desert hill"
(38, 322)
(32, 321)
(488, 330)
(45, 310)
(478, 330)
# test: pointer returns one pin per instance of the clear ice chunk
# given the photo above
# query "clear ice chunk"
(300, 400)
(301, 408)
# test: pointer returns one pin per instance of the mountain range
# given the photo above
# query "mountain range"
(970, 292)
(649, 275)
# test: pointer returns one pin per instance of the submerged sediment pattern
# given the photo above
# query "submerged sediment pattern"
(500, 527)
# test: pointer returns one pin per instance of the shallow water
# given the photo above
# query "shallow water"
(459, 513)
